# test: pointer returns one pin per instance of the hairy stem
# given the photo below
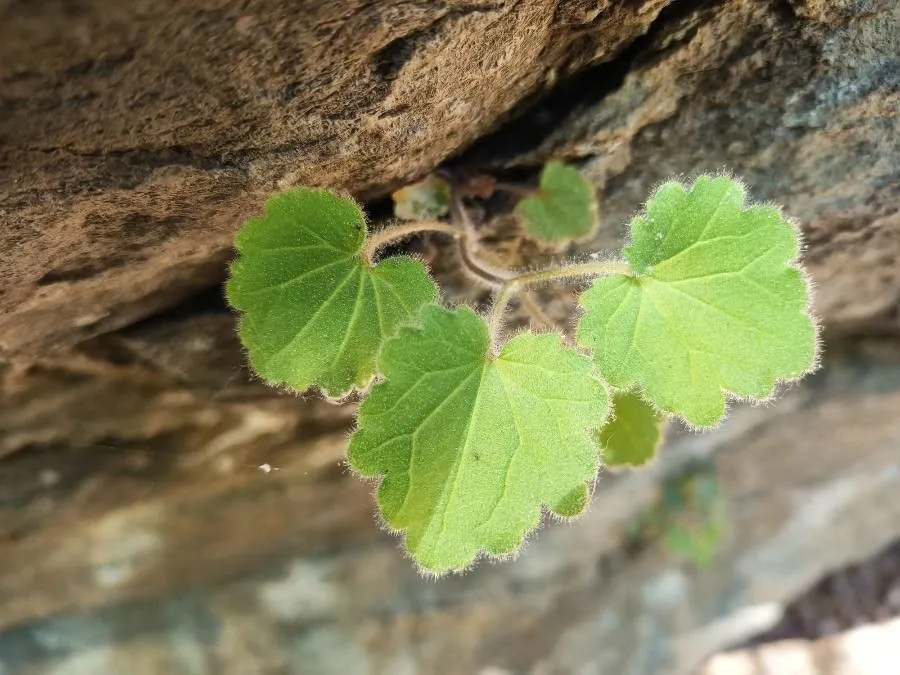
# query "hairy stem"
(460, 229)
(490, 275)
(513, 285)
(398, 232)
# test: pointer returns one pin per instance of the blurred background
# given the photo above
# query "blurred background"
(163, 512)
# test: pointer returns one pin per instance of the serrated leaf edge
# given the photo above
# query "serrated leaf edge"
(357, 390)
(544, 514)
(780, 385)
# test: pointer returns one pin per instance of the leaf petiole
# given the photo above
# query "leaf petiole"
(511, 286)
(398, 232)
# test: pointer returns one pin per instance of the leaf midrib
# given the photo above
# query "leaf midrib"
(325, 304)
(454, 474)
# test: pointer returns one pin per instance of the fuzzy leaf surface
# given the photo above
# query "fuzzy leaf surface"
(633, 434)
(564, 207)
(716, 304)
(314, 311)
(470, 446)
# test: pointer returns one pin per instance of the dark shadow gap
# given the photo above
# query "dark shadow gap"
(534, 119)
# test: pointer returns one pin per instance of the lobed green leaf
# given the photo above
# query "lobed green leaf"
(314, 311)
(564, 207)
(470, 445)
(716, 305)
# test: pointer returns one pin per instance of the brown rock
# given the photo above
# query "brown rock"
(162, 512)
(135, 138)
(172, 548)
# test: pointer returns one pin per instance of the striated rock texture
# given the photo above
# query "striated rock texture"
(158, 545)
(138, 532)
(135, 137)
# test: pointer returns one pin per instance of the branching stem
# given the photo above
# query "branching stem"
(513, 285)
(490, 275)
(507, 282)
(493, 277)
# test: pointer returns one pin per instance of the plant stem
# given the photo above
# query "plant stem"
(590, 269)
(490, 275)
(511, 286)
(397, 232)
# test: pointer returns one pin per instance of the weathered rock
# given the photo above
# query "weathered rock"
(867, 650)
(161, 512)
(134, 138)
(178, 554)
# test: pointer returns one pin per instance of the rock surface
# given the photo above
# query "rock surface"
(162, 512)
(134, 138)
(179, 554)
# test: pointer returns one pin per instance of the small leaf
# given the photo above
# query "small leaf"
(315, 312)
(698, 543)
(426, 200)
(717, 304)
(471, 445)
(633, 434)
(564, 207)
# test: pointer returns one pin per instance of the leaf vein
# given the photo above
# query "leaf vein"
(294, 280)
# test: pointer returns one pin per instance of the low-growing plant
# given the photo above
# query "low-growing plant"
(472, 433)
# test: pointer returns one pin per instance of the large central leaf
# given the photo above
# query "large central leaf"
(716, 303)
(470, 445)
(315, 312)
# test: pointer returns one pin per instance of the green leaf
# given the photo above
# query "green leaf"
(426, 200)
(716, 305)
(315, 311)
(632, 435)
(697, 543)
(564, 207)
(470, 445)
